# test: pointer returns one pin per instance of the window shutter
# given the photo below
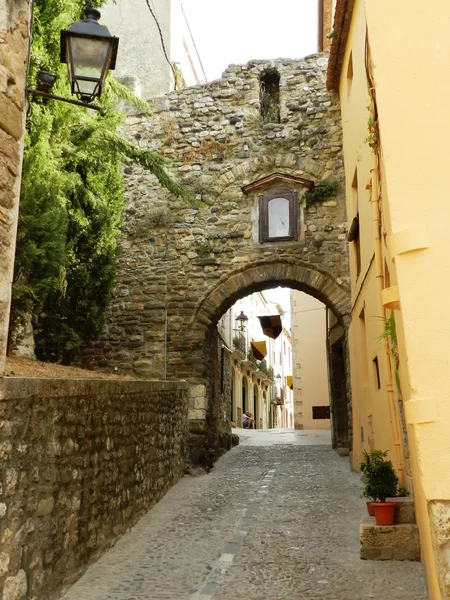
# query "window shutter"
(294, 215)
(263, 220)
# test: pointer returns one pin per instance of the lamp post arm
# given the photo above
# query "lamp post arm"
(101, 110)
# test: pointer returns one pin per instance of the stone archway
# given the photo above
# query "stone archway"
(183, 265)
(199, 343)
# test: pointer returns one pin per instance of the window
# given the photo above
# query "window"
(320, 412)
(353, 234)
(278, 217)
(376, 373)
(269, 96)
(349, 73)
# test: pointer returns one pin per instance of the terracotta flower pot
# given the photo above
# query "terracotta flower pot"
(384, 512)
(370, 508)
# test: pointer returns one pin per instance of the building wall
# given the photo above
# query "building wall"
(309, 336)
(326, 8)
(413, 253)
(14, 36)
(82, 461)
(141, 54)
(419, 220)
(258, 382)
(140, 50)
(372, 413)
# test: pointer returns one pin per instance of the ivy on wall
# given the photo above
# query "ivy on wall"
(71, 199)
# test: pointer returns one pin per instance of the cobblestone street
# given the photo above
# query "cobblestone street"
(276, 519)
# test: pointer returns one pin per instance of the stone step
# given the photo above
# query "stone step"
(395, 542)
(404, 511)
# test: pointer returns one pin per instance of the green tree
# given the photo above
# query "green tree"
(71, 199)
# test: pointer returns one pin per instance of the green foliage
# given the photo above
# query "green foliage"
(71, 198)
(322, 191)
(389, 334)
(372, 137)
(379, 477)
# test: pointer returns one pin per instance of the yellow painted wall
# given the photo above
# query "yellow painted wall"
(413, 91)
(410, 53)
(374, 424)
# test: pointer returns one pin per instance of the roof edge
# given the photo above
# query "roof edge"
(341, 28)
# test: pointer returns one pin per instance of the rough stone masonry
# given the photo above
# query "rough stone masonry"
(81, 460)
(183, 266)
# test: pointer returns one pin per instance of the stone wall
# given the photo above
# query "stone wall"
(14, 36)
(82, 460)
(439, 514)
(183, 266)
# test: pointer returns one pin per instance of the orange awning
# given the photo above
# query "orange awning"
(290, 381)
(259, 349)
(271, 326)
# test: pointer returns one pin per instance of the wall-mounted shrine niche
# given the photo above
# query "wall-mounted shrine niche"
(280, 203)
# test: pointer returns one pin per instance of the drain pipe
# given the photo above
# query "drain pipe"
(390, 384)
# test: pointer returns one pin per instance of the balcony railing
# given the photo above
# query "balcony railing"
(265, 368)
(239, 340)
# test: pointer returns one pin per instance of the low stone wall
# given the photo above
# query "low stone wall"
(82, 460)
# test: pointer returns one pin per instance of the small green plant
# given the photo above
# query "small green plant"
(372, 137)
(402, 492)
(379, 477)
(322, 191)
(389, 334)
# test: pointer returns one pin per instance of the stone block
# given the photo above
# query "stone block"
(405, 511)
(196, 414)
(396, 542)
(45, 506)
(15, 587)
(11, 119)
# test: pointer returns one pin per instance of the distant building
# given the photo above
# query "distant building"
(156, 50)
(309, 347)
(258, 386)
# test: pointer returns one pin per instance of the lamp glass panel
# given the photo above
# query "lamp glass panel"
(278, 217)
(89, 58)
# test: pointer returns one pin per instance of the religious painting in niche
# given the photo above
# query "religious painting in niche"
(278, 217)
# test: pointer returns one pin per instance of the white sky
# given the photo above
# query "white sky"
(236, 31)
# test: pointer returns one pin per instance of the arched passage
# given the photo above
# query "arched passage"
(201, 339)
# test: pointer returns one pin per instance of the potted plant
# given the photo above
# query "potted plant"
(380, 482)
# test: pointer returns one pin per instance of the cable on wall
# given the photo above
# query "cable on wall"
(193, 41)
(152, 12)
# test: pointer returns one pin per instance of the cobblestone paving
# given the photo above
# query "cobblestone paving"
(276, 521)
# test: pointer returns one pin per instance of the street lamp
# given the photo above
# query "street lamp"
(90, 51)
(278, 378)
(242, 320)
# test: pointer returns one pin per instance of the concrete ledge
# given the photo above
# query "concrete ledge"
(396, 542)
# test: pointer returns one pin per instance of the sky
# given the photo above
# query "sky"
(236, 31)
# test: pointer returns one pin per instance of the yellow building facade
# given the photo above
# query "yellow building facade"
(390, 66)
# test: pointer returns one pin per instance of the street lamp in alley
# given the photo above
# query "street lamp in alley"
(278, 378)
(241, 321)
(90, 52)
